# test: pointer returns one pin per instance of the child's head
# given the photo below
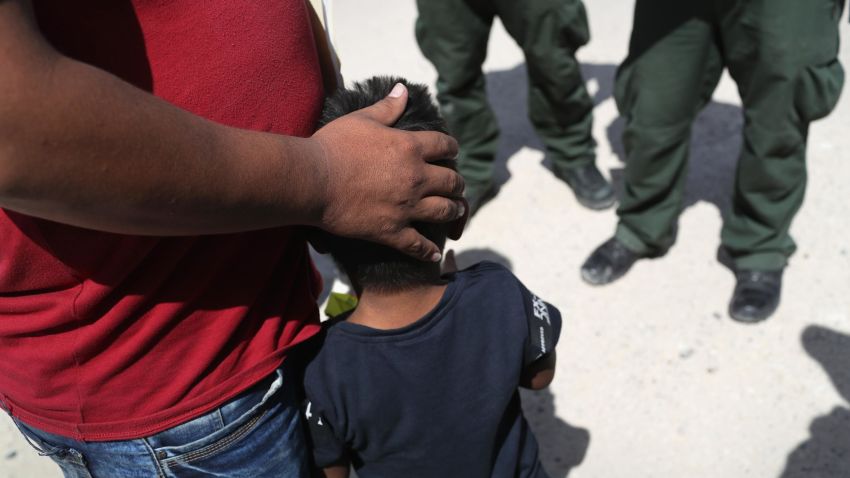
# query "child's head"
(369, 265)
(420, 114)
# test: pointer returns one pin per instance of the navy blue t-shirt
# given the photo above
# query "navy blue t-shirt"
(437, 398)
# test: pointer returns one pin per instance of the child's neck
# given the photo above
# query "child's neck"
(395, 310)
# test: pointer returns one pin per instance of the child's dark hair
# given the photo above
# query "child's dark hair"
(369, 265)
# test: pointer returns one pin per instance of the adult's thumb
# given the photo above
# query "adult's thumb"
(388, 110)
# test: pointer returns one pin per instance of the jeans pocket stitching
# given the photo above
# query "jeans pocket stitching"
(160, 473)
(214, 448)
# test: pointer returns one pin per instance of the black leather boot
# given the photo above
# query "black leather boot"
(591, 188)
(756, 295)
(608, 262)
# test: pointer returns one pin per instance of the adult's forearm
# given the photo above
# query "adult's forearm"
(80, 146)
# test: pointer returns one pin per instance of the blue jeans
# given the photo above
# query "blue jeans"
(257, 434)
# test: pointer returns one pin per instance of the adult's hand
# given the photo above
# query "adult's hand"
(126, 162)
(380, 179)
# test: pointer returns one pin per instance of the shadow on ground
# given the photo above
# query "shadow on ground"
(562, 446)
(470, 257)
(826, 453)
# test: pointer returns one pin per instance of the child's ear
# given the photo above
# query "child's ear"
(455, 229)
(318, 239)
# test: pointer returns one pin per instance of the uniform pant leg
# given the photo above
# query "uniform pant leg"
(783, 55)
(672, 68)
(453, 35)
(549, 33)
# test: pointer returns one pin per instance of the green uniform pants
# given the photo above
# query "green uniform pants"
(453, 35)
(783, 56)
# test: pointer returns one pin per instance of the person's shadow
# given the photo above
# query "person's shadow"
(469, 257)
(826, 453)
(562, 446)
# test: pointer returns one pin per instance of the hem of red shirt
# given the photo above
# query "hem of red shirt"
(153, 424)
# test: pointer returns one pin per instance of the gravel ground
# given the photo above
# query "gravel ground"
(654, 380)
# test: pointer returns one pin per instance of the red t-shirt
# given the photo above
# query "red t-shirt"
(106, 336)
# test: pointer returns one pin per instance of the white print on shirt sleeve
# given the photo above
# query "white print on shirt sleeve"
(543, 348)
(541, 310)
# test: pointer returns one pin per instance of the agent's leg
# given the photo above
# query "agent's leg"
(783, 55)
(549, 33)
(453, 35)
(672, 69)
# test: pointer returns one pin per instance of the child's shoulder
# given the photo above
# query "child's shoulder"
(489, 275)
(489, 288)
(494, 285)
(488, 270)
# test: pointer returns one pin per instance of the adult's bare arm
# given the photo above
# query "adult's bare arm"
(539, 374)
(337, 471)
(82, 147)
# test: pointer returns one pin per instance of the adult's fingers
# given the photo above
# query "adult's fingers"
(435, 146)
(438, 209)
(414, 244)
(442, 181)
(388, 110)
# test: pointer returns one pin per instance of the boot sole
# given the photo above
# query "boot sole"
(750, 319)
(597, 205)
